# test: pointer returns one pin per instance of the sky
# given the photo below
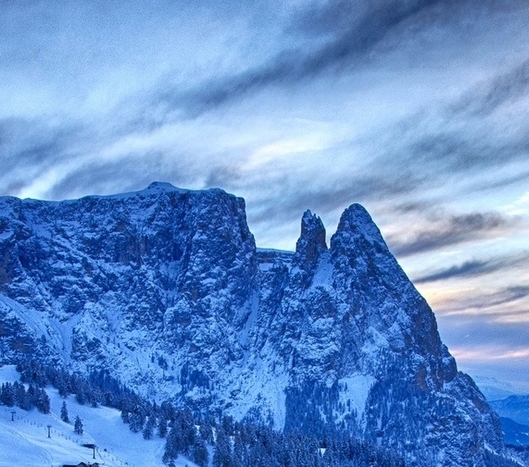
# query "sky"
(417, 109)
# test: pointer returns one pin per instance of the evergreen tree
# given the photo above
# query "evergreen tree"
(30, 396)
(171, 446)
(80, 397)
(78, 426)
(148, 430)
(239, 450)
(162, 427)
(64, 413)
(136, 422)
(7, 396)
(189, 433)
(206, 431)
(21, 396)
(125, 416)
(41, 400)
(61, 384)
(222, 457)
(199, 452)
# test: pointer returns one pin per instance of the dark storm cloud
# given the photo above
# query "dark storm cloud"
(21, 145)
(505, 182)
(347, 34)
(438, 150)
(358, 28)
(451, 230)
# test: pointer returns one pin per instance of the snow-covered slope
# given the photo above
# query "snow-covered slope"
(25, 441)
(165, 288)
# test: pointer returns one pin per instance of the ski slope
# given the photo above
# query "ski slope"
(25, 441)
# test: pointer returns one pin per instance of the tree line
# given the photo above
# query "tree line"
(194, 434)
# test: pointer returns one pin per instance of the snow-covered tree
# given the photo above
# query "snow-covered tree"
(78, 425)
(64, 413)
(7, 395)
(199, 452)
(148, 429)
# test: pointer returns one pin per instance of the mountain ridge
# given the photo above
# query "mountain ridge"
(166, 288)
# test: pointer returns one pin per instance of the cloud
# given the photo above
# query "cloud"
(123, 174)
(291, 194)
(468, 268)
(360, 27)
(31, 148)
(486, 332)
(501, 297)
(469, 306)
(451, 230)
(503, 89)
(335, 36)
(223, 176)
(476, 268)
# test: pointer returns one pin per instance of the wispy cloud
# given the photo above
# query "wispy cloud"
(506, 88)
(476, 268)
(452, 230)
(349, 32)
(468, 268)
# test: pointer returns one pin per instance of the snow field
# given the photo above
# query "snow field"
(25, 441)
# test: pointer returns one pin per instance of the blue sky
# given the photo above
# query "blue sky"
(417, 109)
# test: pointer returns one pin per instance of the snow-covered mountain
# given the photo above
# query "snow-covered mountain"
(494, 389)
(513, 407)
(166, 289)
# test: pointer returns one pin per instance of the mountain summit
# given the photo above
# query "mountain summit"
(166, 289)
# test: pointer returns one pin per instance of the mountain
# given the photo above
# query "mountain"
(494, 389)
(513, 407)
(165, 289)
(514, 433)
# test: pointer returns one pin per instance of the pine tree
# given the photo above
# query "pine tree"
(64, 413)
(148, 429)
(30, 396)
(162, 427)
(7, 396)
(62, 384)
(41, 400)
(78, 426)
(171, 446)
(222, 457)
(199, 452)
(239, 451)
(206, 431)
(136, 422)
(21, 397)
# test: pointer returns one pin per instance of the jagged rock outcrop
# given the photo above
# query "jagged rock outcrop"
(166, 289)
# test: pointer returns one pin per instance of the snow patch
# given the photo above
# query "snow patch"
(356, 390)
(323, 275)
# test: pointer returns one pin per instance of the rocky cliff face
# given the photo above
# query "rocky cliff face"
(166, 289)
